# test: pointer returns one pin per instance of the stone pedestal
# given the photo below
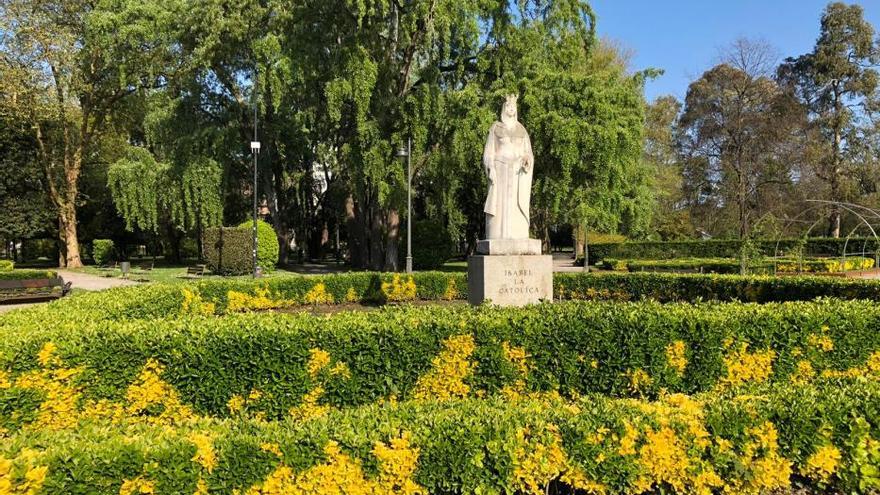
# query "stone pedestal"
(509, 246)
(510, 279)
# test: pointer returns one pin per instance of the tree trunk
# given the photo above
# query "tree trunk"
(67, 233)
(392, 242)
(377, 258)
(355, 228)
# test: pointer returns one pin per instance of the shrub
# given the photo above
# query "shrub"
(729, 248)
(102, 251)
(228, 250)
(6, 265)
(622, 350)
(432, 245)
(733, 266)
(267, 244)
(27, 274)
(823, 436)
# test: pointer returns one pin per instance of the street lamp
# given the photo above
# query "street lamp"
(255, 150)
(407, 153)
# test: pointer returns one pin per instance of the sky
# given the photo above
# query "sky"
(685, 37)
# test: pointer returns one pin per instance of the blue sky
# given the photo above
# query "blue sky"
(684, 37)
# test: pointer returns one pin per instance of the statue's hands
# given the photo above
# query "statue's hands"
(490, 173)
(526, 165)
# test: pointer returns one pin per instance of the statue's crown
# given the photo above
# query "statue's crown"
(511, 98)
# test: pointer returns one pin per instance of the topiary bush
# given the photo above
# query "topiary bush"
(228, 250)
(102, 251)
(6, 265)
(432, 245)
(267, 244)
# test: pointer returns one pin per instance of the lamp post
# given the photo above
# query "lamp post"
(255, 150)
(407, 153)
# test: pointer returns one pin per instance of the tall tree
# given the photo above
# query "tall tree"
(734, 120)
(671, 219)
(838, 84)
(67, 66)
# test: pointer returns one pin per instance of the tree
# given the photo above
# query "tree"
(734, 121)
(67, 66)
(837, 82)
(671, 219)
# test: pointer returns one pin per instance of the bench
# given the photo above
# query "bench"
(195, 271)
(33, 290)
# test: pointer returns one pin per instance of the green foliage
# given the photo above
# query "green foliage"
(102, 251)
(145, 192)
(6, 265)
(267, 244)
(730, 248)
(732, 265)
(387, 352)
(27, 274)
(228, 250)
(432, 245)
(474, 445)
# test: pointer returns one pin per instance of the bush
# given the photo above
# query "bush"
(6, 265)
(820, 435)
(819, 246)
(621, 350)
(228, 250)
(102, 251)
(432, 245)
(267, 244)
(731, 265)
(27, 274)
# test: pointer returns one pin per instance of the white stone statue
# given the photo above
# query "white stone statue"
(509, 162)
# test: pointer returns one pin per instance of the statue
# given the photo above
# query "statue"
(508, 161)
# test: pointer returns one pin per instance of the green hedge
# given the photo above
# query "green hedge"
(760, 443)
(572, 348)
(733, 265)
(27, 274)
(102, 251)
(267, 245)
(6, 265)
(228, 250)
(730, 248)
(161, 300)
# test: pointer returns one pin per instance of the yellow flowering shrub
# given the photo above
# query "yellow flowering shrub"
(451, 293)
(310, 408)
(318, 360)
(154, 400)
(342, 474)
(351, 296)
(318, 295)
(675, 356)
(804, 372)
(137, 486)
(639, 380)
(194, 305)
(204, 455)
(823, 463)
(28, 479)
(745, 367)
(449, 370)
(821, 342)
(261, 300)
(398, 290)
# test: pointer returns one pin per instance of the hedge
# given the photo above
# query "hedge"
(228, 250)
(267, 245)
(729, 248)
(822, 437)
(27, 274)
(102, 251)
(575, 348)
(733, 265)
(6, 265)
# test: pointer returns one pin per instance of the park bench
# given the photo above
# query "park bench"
(32, 290)
(195, 271)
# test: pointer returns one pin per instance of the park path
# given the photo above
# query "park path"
(81, 281)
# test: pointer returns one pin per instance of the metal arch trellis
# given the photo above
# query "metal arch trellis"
(851, 208)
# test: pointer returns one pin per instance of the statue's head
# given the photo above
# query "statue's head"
(508, 111)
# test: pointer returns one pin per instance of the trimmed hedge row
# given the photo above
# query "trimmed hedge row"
(733, 265)
(618, 349)
(6, 265)
(161, 300)
(27, 274)
(728, 248)
(822, 437)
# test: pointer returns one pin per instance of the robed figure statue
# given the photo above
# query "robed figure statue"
(509, 162)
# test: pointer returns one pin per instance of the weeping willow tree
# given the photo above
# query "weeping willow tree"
(150, 195)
